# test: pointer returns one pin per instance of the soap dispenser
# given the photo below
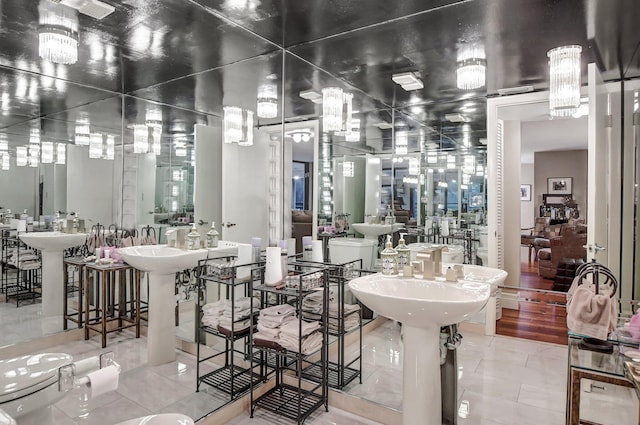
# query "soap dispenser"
(389, 257)
(76, 223)
(56, 222)
(212, 236)
(404, 254)
(389, 219)
(193, 238)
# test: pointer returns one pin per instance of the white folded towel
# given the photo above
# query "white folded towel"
(298, 327)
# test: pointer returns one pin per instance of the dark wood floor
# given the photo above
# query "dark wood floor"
(541, 317)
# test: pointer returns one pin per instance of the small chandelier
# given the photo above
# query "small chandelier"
(238, 126)
(58, 33)
(471, 66)
(402, 142)
(4, 143)
(34, 136)
(110, 147)
(564, 80)
(267, 101)
(140, 138)
(61, 154)
(4, 161)
(22, 158)
(95, 146)
(83, 131)
(46, 155)
(153, 118)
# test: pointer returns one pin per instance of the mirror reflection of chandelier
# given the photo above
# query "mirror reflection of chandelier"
(402, 142)
(58, 33)
(336, 110)
(300, 135)
(471, 65)
(267, 106)
(4, 161)
(238, 126)
(564, 80)
(83, 131)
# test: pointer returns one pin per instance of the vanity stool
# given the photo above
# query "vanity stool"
(117, 299)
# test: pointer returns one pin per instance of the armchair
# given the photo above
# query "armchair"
(568, 245)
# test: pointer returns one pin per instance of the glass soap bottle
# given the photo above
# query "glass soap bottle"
(193, 238)
(404, 254)
(389, 257)
(213, 236)
(76, 224)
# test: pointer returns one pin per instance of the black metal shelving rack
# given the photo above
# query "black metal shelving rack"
(341, 371)
(294, 401)
(234, 377)
(16, 283)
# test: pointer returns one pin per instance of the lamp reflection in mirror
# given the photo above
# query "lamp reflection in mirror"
(451, 162)
(34, 154)
(22, 158)
(110, 147)
(95, 146)
(83, 131)
(153, 117)
(140, 138)
(469, 164)
(267, 106)
(402, 142)
(46, 155)
(238, 126)
(353, 135)
(57, 33)
(337, 110)
(479, 170)
(414, 166)
(348, 168)
(564, 80)
(471, 66)
(156, 145)
(4, 143)
(34, 135)
(61, 154)
(4, 161)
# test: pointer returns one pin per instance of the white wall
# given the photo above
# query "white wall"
(527, 208)
(18, 188)
(562, 164)
(511, 199)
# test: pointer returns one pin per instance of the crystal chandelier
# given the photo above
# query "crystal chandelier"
(95, 146)
(34, 154)
(238, 126)
(336, 110)
(402, 142)
(564, 80)
(4, 143)
(153, 118)
(471, 66)
(34, 136)
(21, 156)
(4, 161)
(110, 147)
(61, 154)
(267, 101)
(156, 146)
(58, 33)
(83, 131)
(46, 156)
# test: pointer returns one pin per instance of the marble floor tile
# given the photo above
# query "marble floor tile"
(320, 417)
(383, 386)
(498, 387)
(113, 413)
(546, 398)
(150, 390)
(196, 405)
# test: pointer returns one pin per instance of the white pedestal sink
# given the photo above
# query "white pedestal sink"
(422, 306)
(372, 231)
(52, 246)
(162, 263)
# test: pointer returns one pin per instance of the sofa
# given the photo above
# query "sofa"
(569, 244)
(301, 225)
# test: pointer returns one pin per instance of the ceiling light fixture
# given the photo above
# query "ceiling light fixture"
(408, 81)
(311, 95)
(564, 80)
(21, 156)
(140, 138)
(46, 155)
(61, 154)
(471, 66)
(238, 126)
(4, 163)
(4, 143)
(337, 110)
(95, 146)
(57, 33)
(267, 101)
(83, 131)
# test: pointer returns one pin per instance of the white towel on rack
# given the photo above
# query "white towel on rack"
(307, 345)
(298, 327)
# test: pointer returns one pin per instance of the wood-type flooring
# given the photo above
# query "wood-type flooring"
(542, 316)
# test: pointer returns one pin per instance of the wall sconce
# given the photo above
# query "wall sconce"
(564, 80)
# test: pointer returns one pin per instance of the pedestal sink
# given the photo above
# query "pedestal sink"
(52, 245)
(423, 306)
(162, 263)
(372, 231)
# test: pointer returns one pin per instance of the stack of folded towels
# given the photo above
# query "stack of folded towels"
(23, 259)
(312, 309)
(222, 316)
(278, 328)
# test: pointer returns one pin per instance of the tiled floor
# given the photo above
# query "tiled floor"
(502, 381)
(25, 323)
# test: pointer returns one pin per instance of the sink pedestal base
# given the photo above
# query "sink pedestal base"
(52, 287)
(421, 376)
(161, 332)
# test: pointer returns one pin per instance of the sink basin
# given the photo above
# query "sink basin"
(53, 241)
(372, 231)
(423, 306)
(52, 245)
(162, 263)
(161, 259)
(224, 249)
(417, 302)
(473, 273)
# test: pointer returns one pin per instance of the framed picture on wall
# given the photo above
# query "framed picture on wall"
(559, 185)
(525, 192)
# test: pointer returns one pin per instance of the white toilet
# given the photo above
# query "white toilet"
(343, 250)
(30, 386)
(483, 247)
(162, 419)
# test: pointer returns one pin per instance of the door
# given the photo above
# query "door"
(598, 168)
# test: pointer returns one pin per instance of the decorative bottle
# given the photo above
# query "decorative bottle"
(389, 257)
(404, 254)
(76, 224)
(193, 238)
(212, 236)
(56, 222)
(389, 219)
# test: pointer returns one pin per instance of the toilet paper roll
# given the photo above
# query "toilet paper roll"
(316, 252)
(273, 267)
(86, 365)
(21, 226)
(103, 380)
